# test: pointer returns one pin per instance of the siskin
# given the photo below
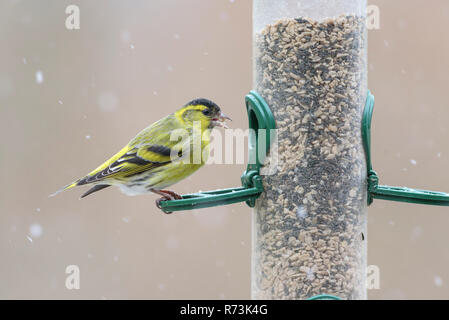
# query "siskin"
(153, 160)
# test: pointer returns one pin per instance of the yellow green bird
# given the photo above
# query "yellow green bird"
(156, 159)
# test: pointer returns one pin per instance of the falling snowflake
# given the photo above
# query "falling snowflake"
(35, 230)
(108, 101)
(39, 77)
(310, 275)
(438, 281)
(301, 213)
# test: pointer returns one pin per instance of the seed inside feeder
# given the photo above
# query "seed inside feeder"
(309, 220)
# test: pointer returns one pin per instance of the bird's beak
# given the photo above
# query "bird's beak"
(220, 121)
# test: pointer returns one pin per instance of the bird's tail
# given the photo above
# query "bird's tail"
(67, 187)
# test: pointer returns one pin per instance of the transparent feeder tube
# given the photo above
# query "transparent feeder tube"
(309, 226)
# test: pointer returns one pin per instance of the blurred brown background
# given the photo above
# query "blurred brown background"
(69, 99)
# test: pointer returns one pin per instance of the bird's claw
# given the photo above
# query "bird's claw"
(166, 196)
(158, 203)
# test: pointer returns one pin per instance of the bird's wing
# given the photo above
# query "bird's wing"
(130, 162)
(151, 148)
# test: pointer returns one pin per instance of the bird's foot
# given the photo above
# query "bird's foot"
(158, 203)
(166, 195)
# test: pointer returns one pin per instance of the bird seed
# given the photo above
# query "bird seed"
(309, 222)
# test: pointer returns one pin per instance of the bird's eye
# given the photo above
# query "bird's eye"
(206, 112)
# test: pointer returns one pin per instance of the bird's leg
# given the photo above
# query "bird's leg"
(166, 195)
(173, 194)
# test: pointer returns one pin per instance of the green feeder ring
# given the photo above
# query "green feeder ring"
(401, 194)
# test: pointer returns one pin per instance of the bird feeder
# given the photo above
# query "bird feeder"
(310, 213)
(310, 223)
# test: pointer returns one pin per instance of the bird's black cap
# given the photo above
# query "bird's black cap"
(205, 102)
